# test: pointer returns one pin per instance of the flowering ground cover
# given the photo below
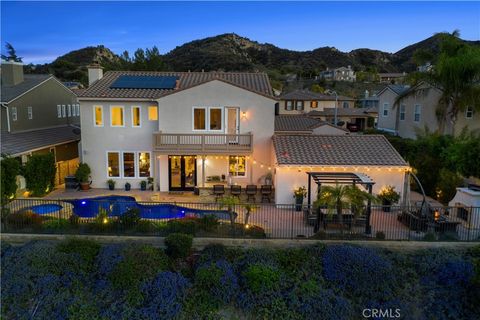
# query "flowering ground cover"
(82, 279)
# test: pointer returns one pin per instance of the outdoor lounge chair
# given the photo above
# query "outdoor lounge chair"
(251, 192)
(218, 191)
(266, 191)
(236, 191)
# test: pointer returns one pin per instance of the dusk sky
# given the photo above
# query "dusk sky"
(42, 31)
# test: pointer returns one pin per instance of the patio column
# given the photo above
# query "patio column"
(203, 171)
(368, 227)
(155, 171)
(309, 200)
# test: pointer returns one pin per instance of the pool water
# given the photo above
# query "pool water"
(118, 205)
(45, 208)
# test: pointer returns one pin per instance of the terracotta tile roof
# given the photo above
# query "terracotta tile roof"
(21, 142)
(336, 150)
(255, 82)
(295, 123)
(310, 95)
(344, 112)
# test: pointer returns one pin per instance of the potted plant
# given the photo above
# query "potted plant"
(128, 186)
(388, 196)
(143, 185)
(83, 175)
(268, 178)
(111, 184)
(299, 194)
(150, 183)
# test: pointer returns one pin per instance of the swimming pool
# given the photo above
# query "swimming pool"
(45, 208)
(118, 205)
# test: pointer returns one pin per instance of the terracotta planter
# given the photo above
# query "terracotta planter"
(84, 186)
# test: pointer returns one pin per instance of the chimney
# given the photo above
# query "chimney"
(95, 72)
(12, 73)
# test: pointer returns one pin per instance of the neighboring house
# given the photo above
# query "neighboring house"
(39, 115)
(354, 119)
(392, 77)
(387, 115)
(416, 112)
(369, 156)
(427, 67)
(339, 74)
(183, 129)
(368, 101)
(304, 101)
(299, 124)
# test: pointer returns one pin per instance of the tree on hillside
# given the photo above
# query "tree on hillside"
(154, 60)
(456, 74)
(11, 54)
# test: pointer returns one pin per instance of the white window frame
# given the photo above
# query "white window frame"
(94, 116)
(415, 112)
(296, 105)
(14, 114)
(402, 111)
(221, 120)
(246, 167)
(139, 114)
(30, 113)
(135, 161)
(59, 111)
(138, 164)
(287, 108)
(77, 108)
(69, 110)
(469, 110)
(123, 114)
(64, 111)
(385, 107)
(206, 119)
(120, 164)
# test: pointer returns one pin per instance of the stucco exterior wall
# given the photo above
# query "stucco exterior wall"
(97, 141)
(288, 179)
(43, 100)
(387, 123)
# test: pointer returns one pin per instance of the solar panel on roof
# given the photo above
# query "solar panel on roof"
(144, 82)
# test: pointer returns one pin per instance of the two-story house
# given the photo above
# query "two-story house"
(304, 101)
(39, 115)
(339, 74)
(183, 129)
(416, 112)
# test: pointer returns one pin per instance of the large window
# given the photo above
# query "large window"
(116, 116)
(237, 166)
(469, 112)
(144, 164)
(129, 164)
(345, 105)
(199, 119)
(113, 164)
(299, 105)
(153, 113)
(30, 113)
(402, 112)
(136, 116)
(59, 111)
(289, 105)
(64, 111)
(416, 113)
(215, 119)
(385, 109)
(69, 110)
(77, 107)
(97, 115)
(14, 114)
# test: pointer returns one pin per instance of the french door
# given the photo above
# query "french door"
(233, 124)
(182, 173)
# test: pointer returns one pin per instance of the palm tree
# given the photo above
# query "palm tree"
(339, 197)
(456, 74)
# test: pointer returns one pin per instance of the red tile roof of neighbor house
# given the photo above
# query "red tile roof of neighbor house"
(336, 150)
(345, 112)
(254, 82)
(299, 123)
(310, 95)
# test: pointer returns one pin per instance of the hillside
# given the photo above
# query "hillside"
(231, 52)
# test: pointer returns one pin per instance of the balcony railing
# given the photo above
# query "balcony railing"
(192, 143)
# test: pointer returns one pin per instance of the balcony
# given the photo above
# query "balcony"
(202, 143)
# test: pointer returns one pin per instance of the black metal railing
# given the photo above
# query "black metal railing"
(265, 220)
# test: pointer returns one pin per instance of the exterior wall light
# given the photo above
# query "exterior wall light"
(244, 115)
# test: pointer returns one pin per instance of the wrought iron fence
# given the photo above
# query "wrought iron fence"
(125, 216)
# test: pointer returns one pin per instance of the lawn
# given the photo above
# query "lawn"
(81, 279)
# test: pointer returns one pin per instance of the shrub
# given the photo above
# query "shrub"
(262, 278)
(219, 280)
(130, 218)
(186, 226)
(163, 296)
(87, 249)
(74, 220)
(40, 173)
(447, 184)
(83, 172)
(10, 168)
(380, 235)
(208, 222)
(24, 219)
(56, 225)
(359, 272)
(178, 245)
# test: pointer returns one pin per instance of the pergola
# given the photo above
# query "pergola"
(341, 178)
